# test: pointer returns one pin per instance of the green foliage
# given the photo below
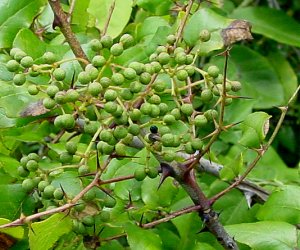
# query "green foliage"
(153, 91)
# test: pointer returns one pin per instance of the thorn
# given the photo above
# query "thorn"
(166, 171)
(106, 191)
(73, 80)
(141, 220)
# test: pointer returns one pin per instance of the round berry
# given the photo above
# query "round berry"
(49, 57)
(120, 149)
(211, 114)
(32, 89)
(28, 185)
(117, 79)
(117, 49)
(135, 114)
(66, 121)
(200, 121)
(52, 90)
(180, 58)
(48, 192)
(135, 87)
(58, 194)
(188, 148)
(127, 40)
(65, 157)
(13, 51)
(71, 147)
(83, 170)
(187, 109)
(19, 55)
(129, 73)
(60, 97)
(110, 107)
(182, 75)
(154, 99)
(106, 135)
(163, 58)
(23, 172)
(197, 144)
(91, 127)
(59, 74)
(88, 220)
(140, 174)
(152, 172)
(105, 82)
(155, 111)
(110, 95)
(137, 66)
(106, 41)
(236, 86)
(26, 61)
(156, 66)
(176, 113)
(19, 79)
(98, 61)
(134, 129)
(92, 71)
(84, 77)
(12, 66)
(105, 216)
(169, 119)
(42, 185)
(32, 165)
(145, 78)
(164, 108)
(95, 88)
(159, 86)
(146, 108)
(171, 39)
(213, 71)
(72, 95)
(120, 132)
(167, 140)
(49, 103)
(206, 95)
(204, 35)
(169, 155)
(95, 45)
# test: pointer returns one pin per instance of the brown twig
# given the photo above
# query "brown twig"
(110, 12)
(62, 21)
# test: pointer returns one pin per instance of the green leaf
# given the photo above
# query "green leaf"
(45, 233)
(119, 18)
(9, 165)
(150, 27)
(80, 16)
(272, 23)
(20, 14)
(157, 7)
(285, 73)
(265, 235)
(255, 127)
(233, 168)
(282, 205)
(141, 238)
(16, 232)
(210, 20)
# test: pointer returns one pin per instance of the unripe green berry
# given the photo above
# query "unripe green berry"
(127, 40)
(204, 35)
(120, 132)
(28, 185)
(159, 86)
(182, 75)
(236, 86)
(59, 74)
(92, 71)
(105, 82)
(58, 194)
(156, 66)
(167, 140)
(60, 97)
(135, 87)
(154, 99)
(206, 95)
(187, 109)
(49, 103)
(169, 119)
(105, 148)
(42, 185)
(129, 73)
(200, 121)
(13, 51)
(26, 61)
(228, 101)
(117, 49)
(197, 144)
(72, 95)
(32, 89)
(169, 155)
(83, 170)
(213, 71)
(48, 192)
(126, 94)
(65, 157)
(19, 79)
(52, 90)
(145, 78)
(49, 57)
(98, 61)
(117, 79)
(171, 39)
(176, 113)
(88, 220)
(12, 66)
(32, 165)
(106, 135)
(84, 77)
(180, 58)
(110, 107)
(135, 114)
(146, 108)
(152, 172)
(95, 45)
(66, 121)
(155, 111)
(189, 149)
(163, 58)
(91, 127)
(120, 149)
(95, 88)
(110, 95)
(23, 172)
(137, 66)
(164, 108)
(105, 216)
(19, 55)
(71, 147)
(211, 114)
(134, 129)
(139, 174)
(106, 41)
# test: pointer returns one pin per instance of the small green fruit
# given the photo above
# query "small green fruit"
(110, 95)
(19, 79)
(48, 192)
(145, 78)
(98, 61)
(129, 73)
(26, 61)
(109, 202)
(23, 172)
(84, 77)
(28, 185)
(110, 107)
(120, 132)
(152, 172)
(134, 129)
(105, 82)
(88, 220)
(106, 41)
(167, 140)
(135, 114)
(59, 74)
(52, 90)
(72, 95)
(95, 45)
(49, 103)
(58, 194)
(206, 95)
(65, 157)
(213, 71)
(12, 66)
(140, 174)
(95, 89)
(32, 165)
(182, 75)
(49, 57)
(163, 58)
(127, 40)
(117, 79)
(200, 121)
(105, 216)
(204, 35)
(169, 119)
(32, 89)
(187, 109)
(83, 170)
(117, 49)
(197, 144)
(106, 135)
(42, 185)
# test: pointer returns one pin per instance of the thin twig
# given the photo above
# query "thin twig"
(110, 12)
(62, 20)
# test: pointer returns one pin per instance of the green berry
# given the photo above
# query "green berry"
(32, 89)
(161, 48)
(80, 206)
(105, 216)
(58, 194)
(129, 73)
(72, 95)
(155, 111)
(117, 49)
(95, 45)
(66, 121)
(187, 109)
(164, 108)
(140, 174)
(152, 172)
(135, 87)
(188, 148)
(164, 130)
(228, 101)
(110, 95)
(88, 220)
(120, 132)
(105, 82)
(213, 71)
(23, 172)
(71, 147)
(105, 148)
(91, 71)
(91, 127)
(42, 185)
(167, 140)
(59, 74)
(182, 75)
(32, 165)
(106, 41)
(180, 58)
(60, 97)
(145, 78)
(169, 119)
(28, 185)
(120, 149)
(200, 121)
(159, 86)
(12, 66)
(178, 50)
(169, 155)
(49, 103)
(127, 40)
(13, 51)
(206, 95)
(98, 61)
(84, 77)
(33, 156)
(19, 55)
(154, 99)
(197, 144)
(83, 170)
(106, 135)
(189, 60)
(48, 192)
(109, 202)
(19, 79)
(134, 129)
(52, 90)
(204, 35)
(110, 107)
(135, 114)
(163, 58)
(236, 86)
(49, 57)
(26, 61)
(90, 195)
(95, 89)
(211, 114)
(171, 39)
(117, 79)
(137, 66)
(65, 157)
(156, 66)
(176, 113)
(146, 108)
